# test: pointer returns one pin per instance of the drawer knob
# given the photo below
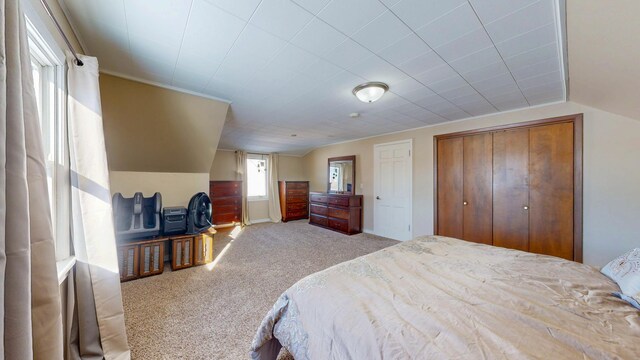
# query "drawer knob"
(465, 203)
(377, 197)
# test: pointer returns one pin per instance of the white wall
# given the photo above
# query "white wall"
(611, 173)
(176, 188)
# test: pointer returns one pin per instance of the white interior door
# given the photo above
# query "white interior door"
(392, 190)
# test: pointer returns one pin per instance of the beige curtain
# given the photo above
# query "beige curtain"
(30, 300)
(96, 316)
(241, 171)
(274, 199)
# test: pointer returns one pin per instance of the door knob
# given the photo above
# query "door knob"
(377, 197)
(465, 203)
(525, 207)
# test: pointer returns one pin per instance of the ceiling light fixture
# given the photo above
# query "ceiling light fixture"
(370, 92)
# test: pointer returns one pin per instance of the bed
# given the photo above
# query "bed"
(442, 298)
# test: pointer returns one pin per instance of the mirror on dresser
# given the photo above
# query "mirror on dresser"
(342, 175)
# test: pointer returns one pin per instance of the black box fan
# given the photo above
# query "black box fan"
(199, 218)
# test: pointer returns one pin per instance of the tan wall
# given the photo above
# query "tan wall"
(152, 129)
(611, 174)
(176, 188)
(224, 168)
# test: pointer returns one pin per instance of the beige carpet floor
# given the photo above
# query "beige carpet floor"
(213, 313)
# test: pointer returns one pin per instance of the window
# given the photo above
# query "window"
(257, 167)
(47, 68)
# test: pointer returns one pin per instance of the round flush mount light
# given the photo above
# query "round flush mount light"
(370, 92)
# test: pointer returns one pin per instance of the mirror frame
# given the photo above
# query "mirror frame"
(353, 169)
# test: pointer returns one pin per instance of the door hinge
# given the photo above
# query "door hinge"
(409, 153)
(409, 227)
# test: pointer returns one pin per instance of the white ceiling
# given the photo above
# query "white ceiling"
(288, 66)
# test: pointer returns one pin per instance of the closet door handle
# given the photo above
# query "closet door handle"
(525, 207)
(465, 203)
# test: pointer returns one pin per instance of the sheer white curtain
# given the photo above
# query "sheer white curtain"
(274, 199)
(97, 317)
(241, 171)
(31, 318)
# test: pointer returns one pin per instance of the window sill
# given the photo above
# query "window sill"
(64, 267)
(253, 199)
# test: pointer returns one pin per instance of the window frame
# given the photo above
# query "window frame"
(44, 51)
(266, 175)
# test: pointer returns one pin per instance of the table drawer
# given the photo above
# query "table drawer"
(338, 213)
(319, 220)
(318, 209)
(339, 224)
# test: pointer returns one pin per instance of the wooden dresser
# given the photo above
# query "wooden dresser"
(342, 213)
(294, 200)
(226, 202)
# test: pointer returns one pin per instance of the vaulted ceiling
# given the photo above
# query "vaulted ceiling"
(288, 66)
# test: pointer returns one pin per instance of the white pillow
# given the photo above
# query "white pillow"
(625, 271)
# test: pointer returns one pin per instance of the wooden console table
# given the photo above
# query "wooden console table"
(145, 257)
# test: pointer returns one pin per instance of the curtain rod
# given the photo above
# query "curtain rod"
(66, 40)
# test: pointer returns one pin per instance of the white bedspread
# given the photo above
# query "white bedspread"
(442, 298)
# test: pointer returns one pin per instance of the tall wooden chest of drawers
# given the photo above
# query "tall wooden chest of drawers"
(226, 202)
(294, 200)
(342, 213)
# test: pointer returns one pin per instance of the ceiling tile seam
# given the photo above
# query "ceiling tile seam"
(246, 24)
(508, 14)
(498, 50)
(126, 23)
(562, 45)
(440, 56)
(184, 32)
(530, 31)
(270, 60)
(383, 59)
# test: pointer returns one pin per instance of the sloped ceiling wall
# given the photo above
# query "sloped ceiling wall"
(152, 129)
(604, 54)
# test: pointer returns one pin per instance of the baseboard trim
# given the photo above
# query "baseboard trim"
(368, 231)
(259, 221)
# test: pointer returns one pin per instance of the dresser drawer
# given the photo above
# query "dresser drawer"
(226, 192)
(296, 192)
(319, 220)
(339, 224)
(301, 206)
(298, 185)
(318, 209)
(226, 201)
(299, 214)
(338, 200)
(297, 198)
(227, 209)
(225, 218)
(338, 213)
(318, 198)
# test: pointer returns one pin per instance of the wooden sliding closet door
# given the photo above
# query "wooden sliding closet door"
(477, 188)
(551, 197)
(511, 189)
(449, 195)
